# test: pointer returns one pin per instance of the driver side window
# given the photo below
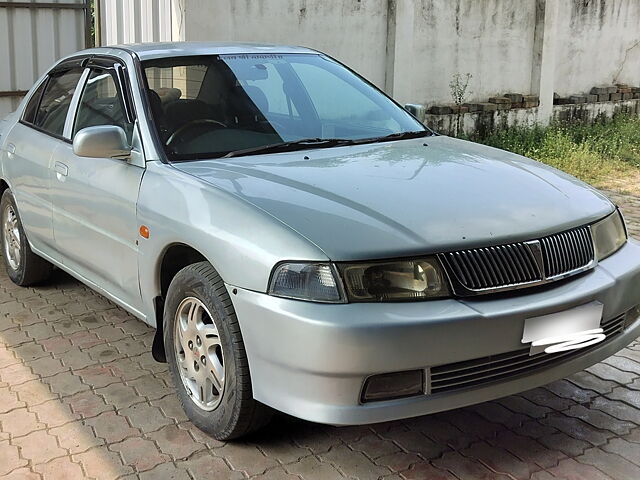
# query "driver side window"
(101, 104)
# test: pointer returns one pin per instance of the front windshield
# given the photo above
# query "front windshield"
(211, 106)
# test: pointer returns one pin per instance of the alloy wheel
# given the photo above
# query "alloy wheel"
(11, 237)
(199, 353)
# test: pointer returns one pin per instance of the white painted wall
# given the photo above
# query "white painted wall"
(412, 48)
(352, 31)
(491, 39)
(598, 43)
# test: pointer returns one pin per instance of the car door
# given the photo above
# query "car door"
(94, 199)
(30, 146)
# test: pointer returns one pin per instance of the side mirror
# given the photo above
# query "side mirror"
(103, 141)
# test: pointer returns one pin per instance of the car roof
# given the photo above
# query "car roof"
(146, 51)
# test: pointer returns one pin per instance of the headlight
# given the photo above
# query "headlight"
(609, 235)
(394, 280)
(316, 282)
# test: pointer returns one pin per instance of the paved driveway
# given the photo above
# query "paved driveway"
(81, 396)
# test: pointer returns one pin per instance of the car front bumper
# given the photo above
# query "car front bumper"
(310, 360)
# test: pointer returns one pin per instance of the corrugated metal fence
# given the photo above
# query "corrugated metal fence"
(33, 35)
(127, 21)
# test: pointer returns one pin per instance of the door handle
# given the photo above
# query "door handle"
(11, 148)
(61, 169)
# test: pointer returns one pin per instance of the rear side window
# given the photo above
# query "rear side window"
(101, 103)
(29, 115)
(56, 99)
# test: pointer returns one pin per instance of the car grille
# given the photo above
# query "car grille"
(567, 251)
(479, 371)
(518, 264)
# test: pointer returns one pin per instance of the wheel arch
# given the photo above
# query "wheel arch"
(174, 258)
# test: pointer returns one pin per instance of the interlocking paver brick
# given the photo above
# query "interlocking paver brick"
(398, 461)
(500, 460)
(102, 463)
(632, 397)
(570, 469)
(22, 474)
(600, 419)
(495, 412)
(145, 417)
(171, 408)
(527, 449)
(164, 471)
(38, 447)
(624, 448)
(245, 458)
(53, 413)
(204, 466)
(112, 427)
(9, 400)
(277, 473)
(140, 454)
(87, 404)
(566, 389)
(613, 465)
(119, 395)
(56, 345)
(608, 372)
(103, 353)
(76, 437)
(624, 364)
(416, 442)
(34, 392)
(60, 469)
(175, 442)
(373, 446)
(9, 458)
(353, 464)
(65, 384)
(619, 410)
(464, 467)
(152, 387)
(564, 443)
(422, 471)
(589, 381)
(20, 422)
(576, 428)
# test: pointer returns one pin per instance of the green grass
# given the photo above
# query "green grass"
(605, 154)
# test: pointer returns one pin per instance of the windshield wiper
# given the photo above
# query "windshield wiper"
(292, 146)
(394, 136)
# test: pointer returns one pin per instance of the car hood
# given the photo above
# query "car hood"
(407, 197)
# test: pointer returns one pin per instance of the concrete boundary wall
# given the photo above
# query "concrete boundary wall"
(412, 48)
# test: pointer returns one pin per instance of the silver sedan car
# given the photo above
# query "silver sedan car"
(301, 242)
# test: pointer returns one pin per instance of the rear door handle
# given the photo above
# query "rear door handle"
(11, 148)
(61, 169)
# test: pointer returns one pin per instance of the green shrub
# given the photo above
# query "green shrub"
(597, 153)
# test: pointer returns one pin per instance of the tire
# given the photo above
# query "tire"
(24, 267)
(206, 355)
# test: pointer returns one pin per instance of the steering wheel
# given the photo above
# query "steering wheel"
(180, 135)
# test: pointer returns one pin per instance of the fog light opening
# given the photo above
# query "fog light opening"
(389, 386)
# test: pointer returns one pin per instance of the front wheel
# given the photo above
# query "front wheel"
(23, 266)
(206, 355)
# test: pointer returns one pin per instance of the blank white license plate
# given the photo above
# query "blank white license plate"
(567, 330)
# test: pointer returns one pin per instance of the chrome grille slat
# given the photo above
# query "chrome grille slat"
(515, 264)
(480, 371)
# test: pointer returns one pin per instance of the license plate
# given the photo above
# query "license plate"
(571, 329)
